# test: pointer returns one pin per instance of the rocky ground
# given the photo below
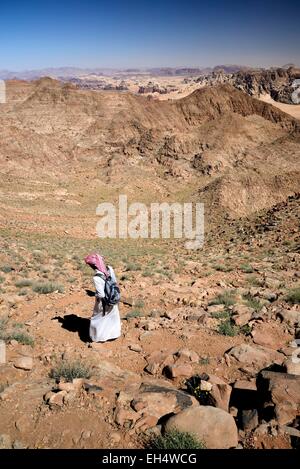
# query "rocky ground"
(208, 336)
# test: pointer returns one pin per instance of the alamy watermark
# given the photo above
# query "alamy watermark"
(159, 220)
(2, 92)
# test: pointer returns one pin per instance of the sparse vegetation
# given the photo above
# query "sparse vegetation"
(176, 439)
(135, 313)
(227, 328)
(6, 269)
(223, 268)
(226, 298)
(23, 283)
(293, 296)
(133, 267)
(21, 337)
(247, 269)
(139, 303)
(47, 287)
(14, 333)
(69, 370)
(222, 315)
(252, 302)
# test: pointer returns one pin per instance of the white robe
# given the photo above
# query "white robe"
(105, 321)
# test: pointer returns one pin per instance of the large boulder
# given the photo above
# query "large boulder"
(270, 335)
(158, 400)
(256, 356)
(220, 392)
(214, 427)
(241, 314)
(282, 391)
(290, 316)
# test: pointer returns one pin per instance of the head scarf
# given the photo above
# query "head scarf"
(95, 260)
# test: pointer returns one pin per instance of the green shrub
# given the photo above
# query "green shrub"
(255, 281)
(147, 273)
(139, 303)
(176, 439)
(223, 268)
(252, 302)
(246, 329)
(47, 287)
(23, 283)
(247, 268)
(227, 328)
(2, 279)
(226, 298)
(135, 313)
(71, 370)
(21, 337)
(293, 296)
(6, 269)
(222, 315)
(132, 267)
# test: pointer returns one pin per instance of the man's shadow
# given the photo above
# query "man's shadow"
(74, 323)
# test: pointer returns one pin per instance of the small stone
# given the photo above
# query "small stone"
(233, 411)
(115, 437)
(85, 435)
(292, 366)
(135, 348)
(176, 371)
(13, 343)
(5, 441)
(262, 429)
(57, 399)
(24, 363)
(205, 386)
(18, 445)
(213, 309)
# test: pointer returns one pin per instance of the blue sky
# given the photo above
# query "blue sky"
(148, 33)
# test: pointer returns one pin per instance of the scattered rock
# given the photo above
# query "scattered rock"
(135, 348)
(241, 314)
(186, 355)
(5, 441)
(56, 399)
(282, 391)
(213, 426)
(290, 316)
(24, 363)
(158, 401)
(213, 309)
(220, 392)
(269, 334)
(115, 437)
(257, 356)
(292, 366)
(178, 370)
(290, 431)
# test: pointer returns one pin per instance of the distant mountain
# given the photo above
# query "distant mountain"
(74, 72)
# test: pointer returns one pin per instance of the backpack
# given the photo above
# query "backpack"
(111, 290)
